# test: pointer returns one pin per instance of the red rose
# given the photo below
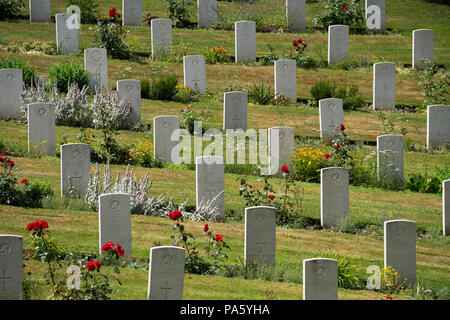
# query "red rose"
(90, 266)
(337, 146)
(294, 43)
(3, 153)
(1, 159)
(43, 224)
(342, 127)
(108, 246)
(175, 215)
(36, 226)
(206, 228)
(271, 197)
(284, 169)
(24, 180)
(219, 237)
(119, 250)
(304, 45)
(300, 40)
(327, 156)
(388, 298)
(345, 8)
(97, 264)
(99, 17)
(30, 226)
(118, 15)
(11, 163)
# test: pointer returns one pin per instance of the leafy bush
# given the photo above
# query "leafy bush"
(8, 192)
(89, 10)
(434, 82)
(142, 154)
(428, 183)
(347, 12)
(65, 74)
(347, 272)
(189, 116)
(34, 193)
(10, 9)
(322, 89)
(260, 93)
(28, 72)
(163, 87)
(179, 12)
(109, 34)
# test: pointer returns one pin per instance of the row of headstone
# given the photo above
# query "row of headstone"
(166, 267)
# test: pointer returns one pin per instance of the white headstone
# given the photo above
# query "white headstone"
(260, 234)
(207, 13)
(438, 126)
(161, 37)
(337, 43)
(11, 87)
(131, 12)
(164, 140)
(331, 114)
(423, 47)
(114, 220)
(40, 11)
(296, 15)
(166, 273)
(334, 195)
(131, 90)
(245, 41)
(375, 16)
(400, 248)
(210, 181)
(96, 64)
(11, 266)
(195, 73)
(320, 279)
(446, 207)
(235, 110)
(41, 128)
(390, 158)
(286, 148)
(286, 79)
(66, 34)
(75, 168)
(384, 86)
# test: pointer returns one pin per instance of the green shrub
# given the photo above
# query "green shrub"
(189, 116)
(145, 89)
(347, 12)
(34, 193)
(163, 87)
(65, 74)
(88, 8)
(260, 93)
(28, 72)
(347, 272)
(8, 192)
(10, 9)
(428, 183)
(179, 12)
(109, 34)
(322, 89)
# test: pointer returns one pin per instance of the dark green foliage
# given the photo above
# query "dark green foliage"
(34, 192)
(10, 9)
(324, 89)
(163, 87)
(347, 12)
(66, 73)
(179, 12)
(428, 183)
(109, 34)
(28, 72)
(260, 93)
(8, 193)
(145, 89)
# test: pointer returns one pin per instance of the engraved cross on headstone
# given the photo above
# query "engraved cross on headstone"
(4, 278)
(67, 36)
(165, 289)
(75, 184)
(195, 81)
(97, 75)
